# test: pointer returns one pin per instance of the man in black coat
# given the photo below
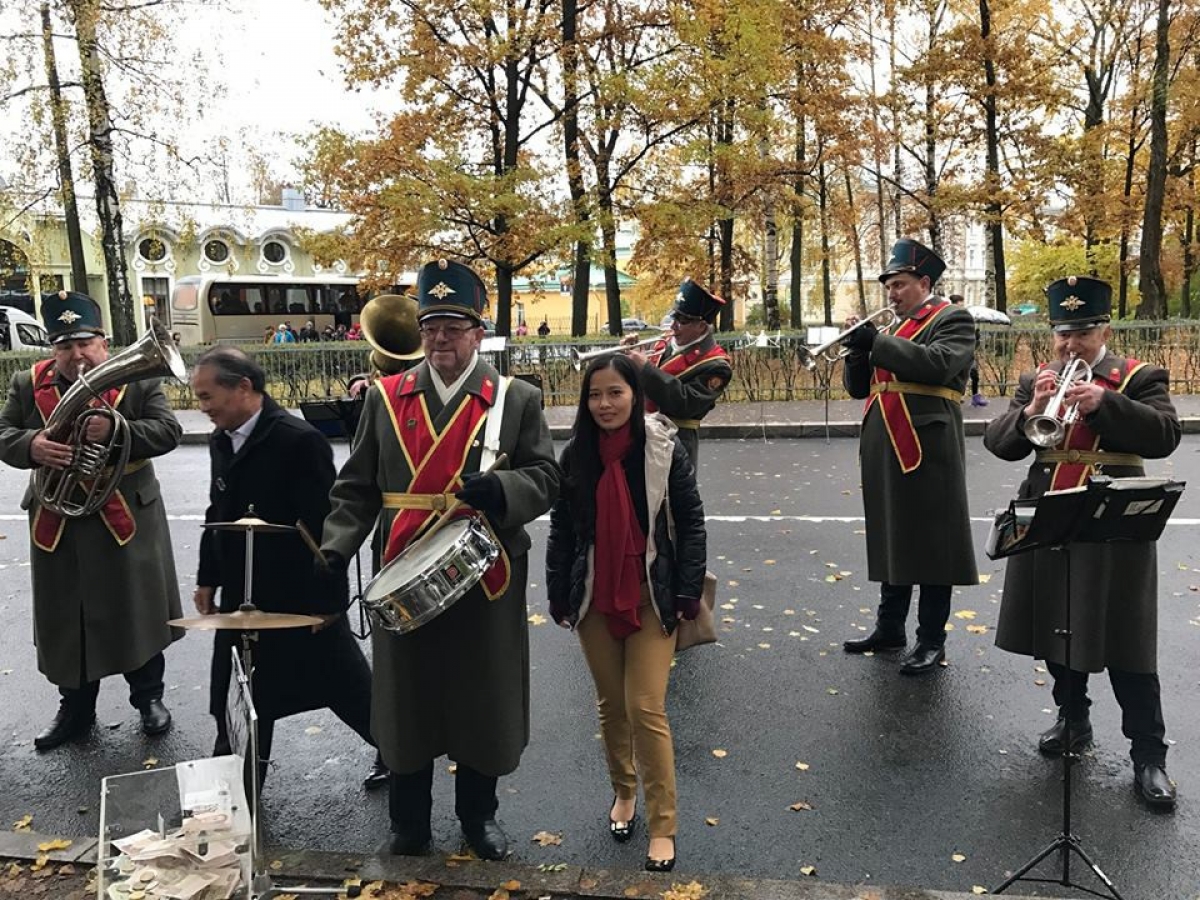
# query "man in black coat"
(269, 460)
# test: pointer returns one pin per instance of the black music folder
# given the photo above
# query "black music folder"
(1103, 510)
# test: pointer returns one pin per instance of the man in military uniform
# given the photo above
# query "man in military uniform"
(913, 456)
(459, 685)
(684, 377)
(104, 585)
(1125, 414)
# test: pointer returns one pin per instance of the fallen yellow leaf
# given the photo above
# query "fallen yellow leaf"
(313, 729)
(977, 889)
(547, 839)
(985, 577)
(958, 857)
(150, 762)
(56, 844)
(39, 863)
(23, 823)
(977, 629)
(512, 885)
(800, 806)
(808, 870)
(720, 754)
(276, 865)
(965, 614)
(802, 766)
(537, 619)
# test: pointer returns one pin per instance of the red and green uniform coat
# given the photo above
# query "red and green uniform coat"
(459, 685)
(101, 598)
(686, 386)
(1114, 587)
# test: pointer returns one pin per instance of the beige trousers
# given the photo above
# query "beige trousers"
(631, 695)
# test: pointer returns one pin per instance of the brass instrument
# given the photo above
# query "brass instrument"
(389, 325)
(1048, 428)
(810, 356)
(96, 467)
(579, 360)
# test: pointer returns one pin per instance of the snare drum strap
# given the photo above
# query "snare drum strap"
(491, 428)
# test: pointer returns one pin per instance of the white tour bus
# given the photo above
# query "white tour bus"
(210, 308)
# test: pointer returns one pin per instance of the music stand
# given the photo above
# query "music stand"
(1106, 510)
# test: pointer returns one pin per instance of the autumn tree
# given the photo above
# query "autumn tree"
(462, 169)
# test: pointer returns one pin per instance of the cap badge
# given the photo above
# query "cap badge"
(1072, 303)
(69, 317)
(441, 290)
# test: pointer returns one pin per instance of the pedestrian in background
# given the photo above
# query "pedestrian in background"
(977, 399)
(625, 561)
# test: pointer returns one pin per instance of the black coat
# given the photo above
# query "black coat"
(675, 567)
(284, 470)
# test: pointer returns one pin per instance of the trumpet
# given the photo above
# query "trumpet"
(579, 360)
(1048, 428)
(810, 356)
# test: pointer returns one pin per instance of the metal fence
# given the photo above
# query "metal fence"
(766, 368)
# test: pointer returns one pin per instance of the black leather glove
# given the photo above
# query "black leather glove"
(861, 339)
(687, 607)
(331, 583)
(483, 492)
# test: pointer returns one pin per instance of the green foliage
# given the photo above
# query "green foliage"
(1032, 265)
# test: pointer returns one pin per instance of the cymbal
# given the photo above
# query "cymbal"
(254, 620)
(250, 523)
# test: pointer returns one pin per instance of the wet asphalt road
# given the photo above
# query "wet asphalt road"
(901, 774)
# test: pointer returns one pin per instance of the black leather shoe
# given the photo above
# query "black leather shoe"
(1053, 739)
(409, 843)
(621, 831)
(876, 640)
(67, 725)
(156, 718)
(486, 838)
(377, 777)
(1154, 786)
(923, 659)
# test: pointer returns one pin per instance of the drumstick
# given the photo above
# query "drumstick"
(501, 458)
(312, 543)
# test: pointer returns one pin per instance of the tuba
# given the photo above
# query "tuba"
(85, 485)
(389, 325)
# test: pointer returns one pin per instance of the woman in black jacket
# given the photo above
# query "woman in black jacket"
(624, 563)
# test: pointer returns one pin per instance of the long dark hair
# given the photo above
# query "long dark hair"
(582, 455)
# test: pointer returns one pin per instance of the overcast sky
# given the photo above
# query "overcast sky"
(275, 63)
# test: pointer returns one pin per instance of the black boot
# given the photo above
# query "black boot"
(410, 805)
(156, 718)
(486, 838)
(923, 659)
(877, 640)
(1053, 739)
(377, 776)
(71, 721)
(1155, 788)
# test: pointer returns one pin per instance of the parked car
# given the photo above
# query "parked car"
(21, 331)
(628, 325)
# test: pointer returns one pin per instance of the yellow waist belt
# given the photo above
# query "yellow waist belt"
(436, 502)
(687, 423)
(129, 469)
(911, 387)
(1090, 457)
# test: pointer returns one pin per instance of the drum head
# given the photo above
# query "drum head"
(417, 559)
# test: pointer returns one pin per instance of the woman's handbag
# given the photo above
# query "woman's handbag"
(702, 629)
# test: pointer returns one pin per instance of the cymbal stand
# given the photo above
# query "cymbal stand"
(1065, 842)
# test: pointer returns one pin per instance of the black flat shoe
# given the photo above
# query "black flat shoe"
(1154, 787)
(876, 640)
(621, 831)
(662, 865)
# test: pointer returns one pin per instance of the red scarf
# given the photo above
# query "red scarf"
(620, 544)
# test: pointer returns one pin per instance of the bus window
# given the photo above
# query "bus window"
(298, 300)
(186, 297)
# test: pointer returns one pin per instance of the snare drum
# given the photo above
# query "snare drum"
(428, 577)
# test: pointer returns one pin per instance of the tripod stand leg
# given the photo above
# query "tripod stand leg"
(1096, 870)
(1056, 844)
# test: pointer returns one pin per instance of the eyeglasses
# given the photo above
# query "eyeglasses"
(450, 331)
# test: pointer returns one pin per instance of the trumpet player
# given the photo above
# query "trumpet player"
(1117, 414)
(912, 455)
(104, 584)
(685, 374)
